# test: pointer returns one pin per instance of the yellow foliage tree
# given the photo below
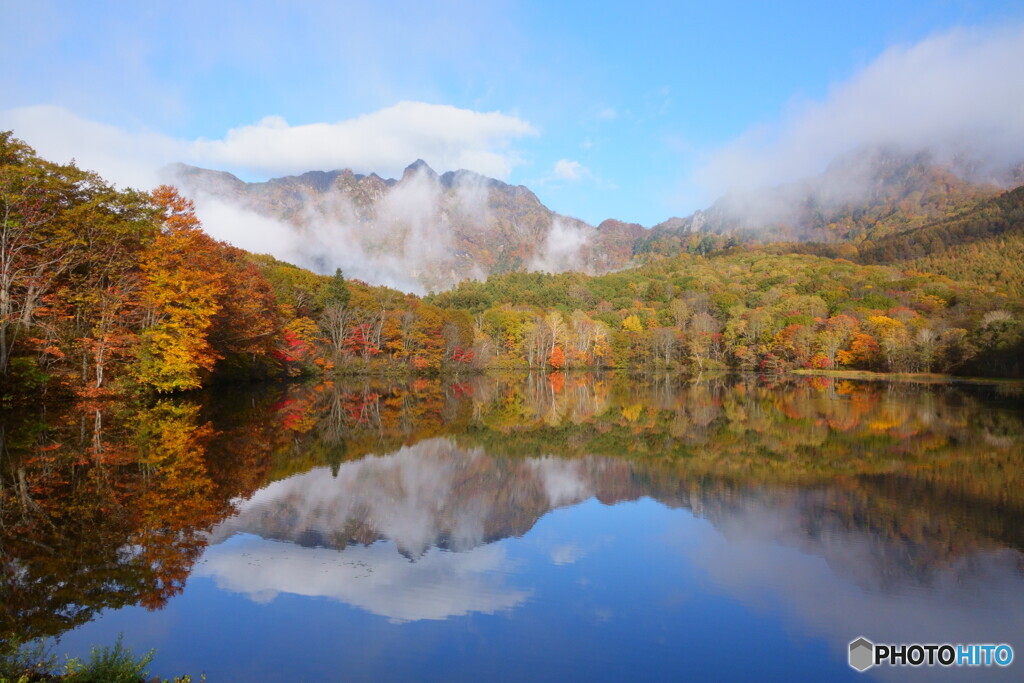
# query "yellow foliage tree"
(183, 281)
(632, 324)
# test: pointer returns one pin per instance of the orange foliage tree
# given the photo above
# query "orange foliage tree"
(184, 279)
(556, 359)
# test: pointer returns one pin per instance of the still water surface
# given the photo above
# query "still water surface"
(541, 528)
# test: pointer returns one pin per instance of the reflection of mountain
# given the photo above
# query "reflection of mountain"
(431, 495)
(977, 597)
(427, 500)
(880, 544)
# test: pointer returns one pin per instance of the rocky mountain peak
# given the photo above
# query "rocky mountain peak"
(419, 167)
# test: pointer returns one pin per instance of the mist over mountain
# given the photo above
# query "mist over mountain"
(420, 232)
(866, 194)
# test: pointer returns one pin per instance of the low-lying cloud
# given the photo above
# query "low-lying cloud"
(956, 94)
(562, 248)
(405, 241)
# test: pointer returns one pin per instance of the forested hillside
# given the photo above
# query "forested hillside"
(107, 290)
(982, 243)
(747, 310)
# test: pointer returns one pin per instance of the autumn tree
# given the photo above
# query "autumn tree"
(248, 322)
(184, 280)
(556, 359)
(336, 316)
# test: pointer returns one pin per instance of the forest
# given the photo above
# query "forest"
(107, 291)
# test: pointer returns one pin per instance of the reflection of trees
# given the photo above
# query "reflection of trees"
(107, 505)
(744, 430)
(901, 464)
(102, 508)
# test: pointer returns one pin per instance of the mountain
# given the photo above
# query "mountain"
(421, 231)
(865, 195)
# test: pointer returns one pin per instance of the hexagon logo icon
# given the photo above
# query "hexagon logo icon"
(862, 654)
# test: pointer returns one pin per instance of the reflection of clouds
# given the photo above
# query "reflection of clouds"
(837, 591)
(562, 480)
(375, 578)
(420, 498)
(568, 553)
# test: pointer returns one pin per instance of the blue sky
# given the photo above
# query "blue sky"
(603, 109)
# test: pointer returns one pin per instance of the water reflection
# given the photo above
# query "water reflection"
(375, 577)
(889, 510)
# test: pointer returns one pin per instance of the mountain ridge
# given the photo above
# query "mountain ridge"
(438, 229)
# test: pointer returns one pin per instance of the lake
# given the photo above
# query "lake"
(595, 527)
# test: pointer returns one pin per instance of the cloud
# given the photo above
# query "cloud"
(962, 91)
(126, 158)
(570, 170)
(607, 114)
(384, 141)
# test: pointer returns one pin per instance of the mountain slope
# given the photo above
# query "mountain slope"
(866, 195)
(983, 244)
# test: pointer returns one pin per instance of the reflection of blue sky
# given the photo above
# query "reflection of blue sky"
(630, 591)
(439, 584)
(592, 594)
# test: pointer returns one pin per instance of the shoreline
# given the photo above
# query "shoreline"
(915, 377)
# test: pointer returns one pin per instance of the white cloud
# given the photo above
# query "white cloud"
(126, 158)
(961, 91)
(570, 170)
(607, 114)
(384, 141)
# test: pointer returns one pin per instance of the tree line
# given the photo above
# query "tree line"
(106, 290)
